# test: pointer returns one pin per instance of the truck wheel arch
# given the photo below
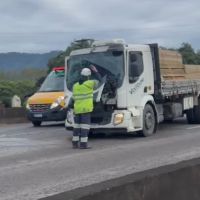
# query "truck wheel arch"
(155, 110)
(149, 120)
(149, 100)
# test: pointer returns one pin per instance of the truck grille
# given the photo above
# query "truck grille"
(39, 107)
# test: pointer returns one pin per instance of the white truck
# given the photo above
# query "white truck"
(142, 85)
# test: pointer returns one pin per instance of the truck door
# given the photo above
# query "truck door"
(136, 81)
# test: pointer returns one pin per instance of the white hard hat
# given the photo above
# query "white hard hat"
(86, 72)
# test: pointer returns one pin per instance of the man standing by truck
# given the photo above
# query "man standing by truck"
(83, 106)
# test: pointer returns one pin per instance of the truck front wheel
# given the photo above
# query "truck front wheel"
(149, 121)
(36, 123)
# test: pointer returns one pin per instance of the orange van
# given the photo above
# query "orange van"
(48, 103)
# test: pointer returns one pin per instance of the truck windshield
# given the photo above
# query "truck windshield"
(109, 64)
(54, 82)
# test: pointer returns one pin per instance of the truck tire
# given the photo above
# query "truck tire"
(193, 115)
(197, 114)
(36, 123)
(149, 121)
(190, 116)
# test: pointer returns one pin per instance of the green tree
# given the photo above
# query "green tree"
(198, 57)
(188, 54)
(21, 88)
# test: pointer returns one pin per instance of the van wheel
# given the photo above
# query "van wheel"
(36, 123)
(149, 121)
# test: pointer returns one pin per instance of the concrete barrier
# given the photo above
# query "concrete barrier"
(12, 115)
(172, 182)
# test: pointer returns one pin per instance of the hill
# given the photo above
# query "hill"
(18, 61)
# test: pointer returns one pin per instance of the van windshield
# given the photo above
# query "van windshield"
(109, 64)
(54, 82)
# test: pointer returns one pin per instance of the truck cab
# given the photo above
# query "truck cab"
(48, 104)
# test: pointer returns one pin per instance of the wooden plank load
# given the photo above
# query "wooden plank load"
(192, 72)
(176, 77)
(171, 65)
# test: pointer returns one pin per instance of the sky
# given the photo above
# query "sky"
(39, 26)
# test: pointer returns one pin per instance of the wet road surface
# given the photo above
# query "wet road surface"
(37, 162)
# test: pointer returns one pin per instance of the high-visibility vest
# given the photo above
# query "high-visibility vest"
(83, 97)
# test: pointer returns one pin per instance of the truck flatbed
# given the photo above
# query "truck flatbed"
(178, 87)
(172, 77)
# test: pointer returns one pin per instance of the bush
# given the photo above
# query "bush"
(10, 88)
(6, 101)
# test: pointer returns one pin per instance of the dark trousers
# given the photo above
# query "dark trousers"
(81, 128)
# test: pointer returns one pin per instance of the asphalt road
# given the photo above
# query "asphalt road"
(38, 162)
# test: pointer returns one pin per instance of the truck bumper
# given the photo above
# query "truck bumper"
(49, 115)
(125, 126)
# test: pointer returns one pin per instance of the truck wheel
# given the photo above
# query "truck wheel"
(190, 116)
(197, 114)
(36, 123)
(149, 121)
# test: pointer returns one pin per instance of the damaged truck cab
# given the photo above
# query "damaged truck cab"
(132, 95)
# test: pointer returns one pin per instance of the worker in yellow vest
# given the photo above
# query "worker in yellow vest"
(83, 106)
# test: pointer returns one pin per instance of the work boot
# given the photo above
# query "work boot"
(84, 145)
(75, 144)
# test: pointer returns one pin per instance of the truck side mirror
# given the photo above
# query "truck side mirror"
(66, 61)
(67, 69)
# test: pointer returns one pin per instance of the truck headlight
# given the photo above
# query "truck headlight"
(58, 102)
(118, 118)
